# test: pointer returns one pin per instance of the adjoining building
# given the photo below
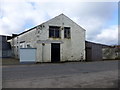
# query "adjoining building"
(94, 51)
(99, 52)
(5, 47)
(59, 39)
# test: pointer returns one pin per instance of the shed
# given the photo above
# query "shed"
(94, 51)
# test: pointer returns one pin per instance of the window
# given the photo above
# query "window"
(67, 32)
(54, 31)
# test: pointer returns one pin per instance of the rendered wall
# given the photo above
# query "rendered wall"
(72, 49)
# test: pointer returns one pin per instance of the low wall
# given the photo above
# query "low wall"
(111, 53)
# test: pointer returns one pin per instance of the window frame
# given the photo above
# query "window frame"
(54, 32)
(67, 32)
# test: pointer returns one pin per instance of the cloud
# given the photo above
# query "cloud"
(97, 18)
(108, 35)
(16, 15)
(19, 15)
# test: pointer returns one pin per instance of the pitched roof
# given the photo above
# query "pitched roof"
(45, 22)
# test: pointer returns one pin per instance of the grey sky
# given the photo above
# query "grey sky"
(98, 18)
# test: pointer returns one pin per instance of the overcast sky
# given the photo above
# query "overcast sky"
(99, 19)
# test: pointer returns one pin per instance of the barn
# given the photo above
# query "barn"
(94, 51)
(56, 40)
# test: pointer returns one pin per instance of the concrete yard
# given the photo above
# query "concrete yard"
(101, 74)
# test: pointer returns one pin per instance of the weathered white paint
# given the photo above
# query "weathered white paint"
(72, 49)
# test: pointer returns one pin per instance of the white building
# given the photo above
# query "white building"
(59, 39)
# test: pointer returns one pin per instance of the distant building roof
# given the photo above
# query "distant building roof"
(103, 45)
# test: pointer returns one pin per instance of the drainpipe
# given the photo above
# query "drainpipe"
(43, 44)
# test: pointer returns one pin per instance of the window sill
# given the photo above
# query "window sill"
(56, 37)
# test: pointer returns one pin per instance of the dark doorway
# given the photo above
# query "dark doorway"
(88, 54)
(55, 52)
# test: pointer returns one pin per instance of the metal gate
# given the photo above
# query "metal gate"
(27, 54)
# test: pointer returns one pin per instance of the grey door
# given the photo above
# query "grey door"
(88, 54)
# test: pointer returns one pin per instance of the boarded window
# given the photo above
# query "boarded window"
(54, 31)
(67, 32)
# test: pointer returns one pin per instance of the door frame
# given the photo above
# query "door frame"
(52, 52)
